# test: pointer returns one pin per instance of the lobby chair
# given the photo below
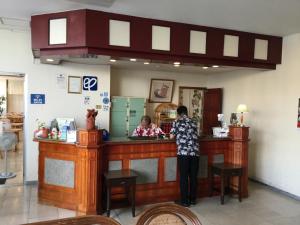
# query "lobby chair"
(80, 220)
(168, 214)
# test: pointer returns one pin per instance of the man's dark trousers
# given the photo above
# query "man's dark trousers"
(188, 170)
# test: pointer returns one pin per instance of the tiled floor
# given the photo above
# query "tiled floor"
(18, 204)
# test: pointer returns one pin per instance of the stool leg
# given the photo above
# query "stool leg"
(228, 189)
(108, 200)
(133, 199)
(222, 188)
(240, 188)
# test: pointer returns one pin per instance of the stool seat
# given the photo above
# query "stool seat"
(117, 174)
(115, 178)
(226, 170)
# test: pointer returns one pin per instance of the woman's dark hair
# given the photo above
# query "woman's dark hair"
(146, 118)
(182, 110)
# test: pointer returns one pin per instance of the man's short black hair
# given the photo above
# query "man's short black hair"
(182, 110)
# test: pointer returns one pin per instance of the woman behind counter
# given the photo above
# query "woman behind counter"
(147, 129)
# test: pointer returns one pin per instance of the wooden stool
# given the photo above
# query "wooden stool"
(116, 178)
(226, 170)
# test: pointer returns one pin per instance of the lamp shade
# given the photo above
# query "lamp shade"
(242, 108)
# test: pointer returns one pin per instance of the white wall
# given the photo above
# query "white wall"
(136, 83)
(272, 98)
(16, 56)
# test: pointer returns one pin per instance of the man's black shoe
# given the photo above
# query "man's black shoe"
(178, 202)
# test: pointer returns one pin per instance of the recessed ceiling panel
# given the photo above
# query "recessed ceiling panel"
(119, 33)
(197, 42)
(58, 31)
(261, 49)
(231, 45)
(161, 38)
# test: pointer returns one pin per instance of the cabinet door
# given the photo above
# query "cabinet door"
(118, 118)
(118, 123)
(135, 117)
(136, 111)
(119, 104)
(137, 104)
(118, 131)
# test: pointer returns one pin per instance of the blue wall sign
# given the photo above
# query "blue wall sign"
(90, 83)
(37, 98)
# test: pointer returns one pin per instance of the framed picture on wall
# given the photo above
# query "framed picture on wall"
(193, 99)
(74, 84)
(161, 91)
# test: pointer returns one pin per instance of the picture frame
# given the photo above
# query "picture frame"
(74, 84)
(161, 91)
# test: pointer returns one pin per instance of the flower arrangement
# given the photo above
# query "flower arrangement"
(40, 124)
(42, 130)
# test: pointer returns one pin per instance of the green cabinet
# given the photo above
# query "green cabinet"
(126, 113)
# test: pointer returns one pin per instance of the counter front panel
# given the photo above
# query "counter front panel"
(155, 162)
(71, 175)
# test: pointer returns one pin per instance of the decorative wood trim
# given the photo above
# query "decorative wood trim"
(239, 154)
(86, 156)
(88, 31)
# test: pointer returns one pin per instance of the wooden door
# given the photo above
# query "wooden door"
(212, 107)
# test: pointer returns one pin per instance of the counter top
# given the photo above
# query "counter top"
(56, 141)
(126, 140)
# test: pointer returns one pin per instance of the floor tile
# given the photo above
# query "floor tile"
(14, 220)
(263, 207)
(41, 211)
(65, 213)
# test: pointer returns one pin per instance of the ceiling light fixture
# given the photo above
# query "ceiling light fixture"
(133, 60)
(176, 63)
(112, 60)
(215, 66)
(50, 60)
(205, 67)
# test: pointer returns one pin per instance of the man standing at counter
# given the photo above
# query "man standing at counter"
(185, 131)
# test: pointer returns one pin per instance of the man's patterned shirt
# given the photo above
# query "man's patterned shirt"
(185, 130)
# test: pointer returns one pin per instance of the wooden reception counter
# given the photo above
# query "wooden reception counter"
(70, 175)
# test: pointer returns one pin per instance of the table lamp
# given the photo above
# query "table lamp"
(242, 108)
